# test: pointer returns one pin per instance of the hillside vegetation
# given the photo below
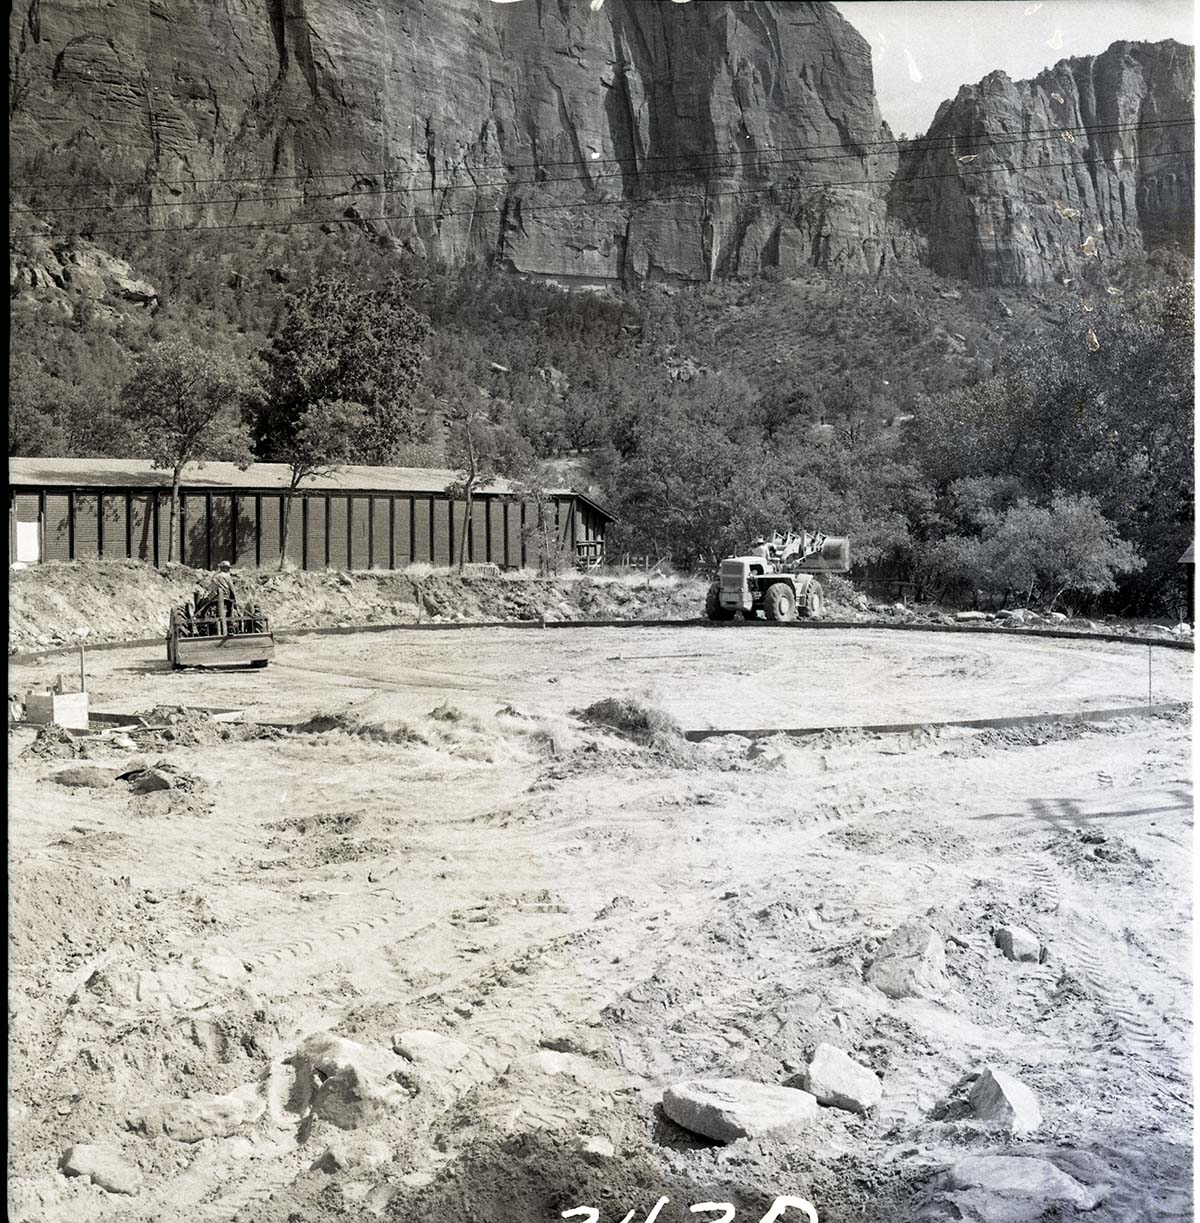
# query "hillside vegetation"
(928, 420)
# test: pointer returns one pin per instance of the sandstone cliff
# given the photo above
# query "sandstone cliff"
(644, 141)
(1053, 204)
(559, 140)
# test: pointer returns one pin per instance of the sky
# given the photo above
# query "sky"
(923, 50)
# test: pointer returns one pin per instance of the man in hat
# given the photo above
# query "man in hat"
(221, 592)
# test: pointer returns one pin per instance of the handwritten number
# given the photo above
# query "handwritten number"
(782, 1204)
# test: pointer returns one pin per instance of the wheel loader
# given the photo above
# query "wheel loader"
(208, 631)
(776, 578)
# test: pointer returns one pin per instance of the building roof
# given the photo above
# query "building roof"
(1189, 557)
(258, 477)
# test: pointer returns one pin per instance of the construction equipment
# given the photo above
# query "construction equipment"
(210, 631)
(776, 577)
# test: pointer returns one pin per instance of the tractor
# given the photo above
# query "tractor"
(776, 577)
(206, 631)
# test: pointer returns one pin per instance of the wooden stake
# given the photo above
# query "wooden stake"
(82, 677)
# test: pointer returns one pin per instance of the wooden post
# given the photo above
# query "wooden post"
(1149, 674)
(82, 676)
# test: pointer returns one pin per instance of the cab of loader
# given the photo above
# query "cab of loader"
(776, 577)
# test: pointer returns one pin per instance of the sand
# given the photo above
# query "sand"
(595, 918)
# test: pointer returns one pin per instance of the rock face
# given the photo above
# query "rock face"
(640, 141)
(1028, 210)
(728, 1109)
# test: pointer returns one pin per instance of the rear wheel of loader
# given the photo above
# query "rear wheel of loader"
(815, 601)
(712, 604)
(779, 602)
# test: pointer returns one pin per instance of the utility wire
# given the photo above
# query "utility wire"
(509, 185)
(520, 212)
(926, 143)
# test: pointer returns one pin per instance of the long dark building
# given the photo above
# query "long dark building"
(357, 518)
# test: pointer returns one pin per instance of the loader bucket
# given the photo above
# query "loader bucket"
(244, 649)
(834, 557)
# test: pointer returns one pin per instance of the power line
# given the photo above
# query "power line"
(926, 143)
(578, 204)
(510, 185)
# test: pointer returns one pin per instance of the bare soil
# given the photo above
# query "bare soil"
(55, 604)
(597, 909)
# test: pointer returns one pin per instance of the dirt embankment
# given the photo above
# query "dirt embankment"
(56, 604)
(119, 601)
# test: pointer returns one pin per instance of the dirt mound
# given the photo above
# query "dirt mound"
(642, 723)
(62, 913)
(55, 743)
(55, 604)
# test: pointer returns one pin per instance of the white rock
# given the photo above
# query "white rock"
(103, 1166)
(728, 1109)
(445, 1065)
(970, 617)
(1016, 614)
(1001, 1099)
(200, 1117)
(594, 1148)
(1018, 944)
(345, 1154)
(911, 963)
(1014, 1189)
(840, 1082)
(345, 1083)
(1057, 617)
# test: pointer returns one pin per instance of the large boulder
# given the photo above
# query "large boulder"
(911, 963)
(1000, 1099)
(1007, 1189)
(345, 1083)
(103, 1166)
(728, 1109)
(838, 1081)
(199, 1117)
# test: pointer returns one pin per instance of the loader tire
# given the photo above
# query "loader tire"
(814, 603)
(779, 603)
(712, 604)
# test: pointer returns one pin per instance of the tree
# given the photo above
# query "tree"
(469, 424)
(321, 440)
(1065, 547)
(186, 405)
(338, 342)
(482, 442)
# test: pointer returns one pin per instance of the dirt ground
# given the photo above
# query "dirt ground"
(449, 849)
